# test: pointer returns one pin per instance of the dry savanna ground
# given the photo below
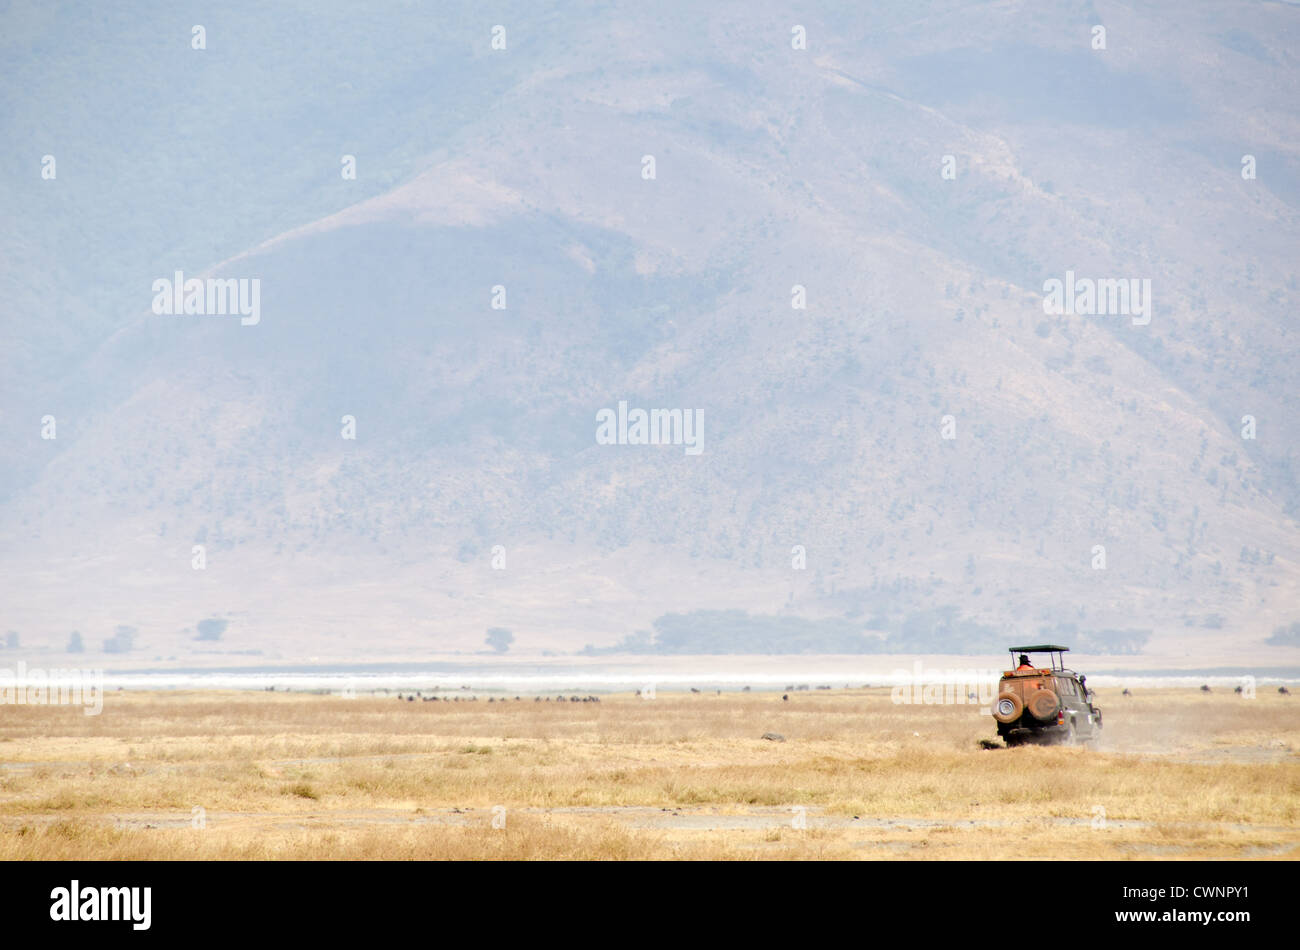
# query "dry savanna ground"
(248, 775)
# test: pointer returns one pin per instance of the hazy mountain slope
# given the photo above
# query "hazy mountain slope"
(821, 427)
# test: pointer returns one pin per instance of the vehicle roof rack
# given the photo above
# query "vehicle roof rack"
(1041, 648)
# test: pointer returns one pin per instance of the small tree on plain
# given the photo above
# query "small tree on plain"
(499, 639)
(122, 641)
(212, 629)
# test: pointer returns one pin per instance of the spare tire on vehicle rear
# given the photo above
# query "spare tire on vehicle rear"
(1043, 704)
(1008, 708)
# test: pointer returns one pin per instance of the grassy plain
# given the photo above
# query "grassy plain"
(252, 775)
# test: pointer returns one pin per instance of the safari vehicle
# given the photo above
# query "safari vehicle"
(1044, 704)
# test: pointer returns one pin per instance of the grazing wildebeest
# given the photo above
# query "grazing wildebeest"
(1205, 689)
(694, 690)
(1126, 693)
(1284, 691)
(785, 698)
(1237, 690)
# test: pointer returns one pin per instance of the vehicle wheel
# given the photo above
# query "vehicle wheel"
(1008, 708)
(1043, 705)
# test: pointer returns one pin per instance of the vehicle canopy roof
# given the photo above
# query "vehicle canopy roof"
(1056, 664)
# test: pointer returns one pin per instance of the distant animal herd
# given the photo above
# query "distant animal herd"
(785, 697)
(420, 695)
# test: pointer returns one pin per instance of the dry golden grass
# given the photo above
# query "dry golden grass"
(1178, 774)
